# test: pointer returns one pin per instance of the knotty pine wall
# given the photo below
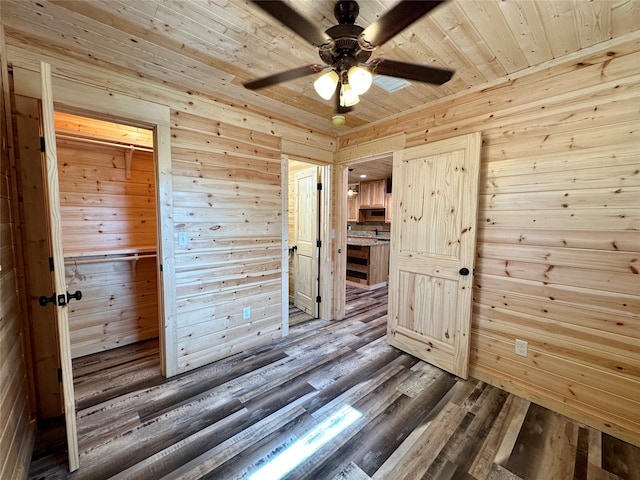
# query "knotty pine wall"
(17, 430)
(558, 253)
(107, 215)
(224, 192)
(227, 199)
(104, 210)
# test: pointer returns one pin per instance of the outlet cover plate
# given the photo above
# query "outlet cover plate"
(246, 313)
(521, 348)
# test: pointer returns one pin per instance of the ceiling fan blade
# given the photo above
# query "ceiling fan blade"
(284, 76)
(410, 71)
(395, 20)
(282, 12)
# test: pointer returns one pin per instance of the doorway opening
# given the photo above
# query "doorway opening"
(368, 222)
(109, 240)
(304, 220)
(108, 216)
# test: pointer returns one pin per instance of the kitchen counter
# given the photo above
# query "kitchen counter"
(367, 241)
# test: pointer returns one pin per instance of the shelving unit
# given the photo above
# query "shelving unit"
(368, 265)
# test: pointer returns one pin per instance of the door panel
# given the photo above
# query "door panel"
(306, 231)
(432, 239)
(55, 232)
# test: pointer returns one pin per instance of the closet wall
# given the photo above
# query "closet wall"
(108, 215)
(109, 245)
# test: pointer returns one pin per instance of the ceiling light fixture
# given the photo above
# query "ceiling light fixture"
(360, 79)
(350, 83)
(326, 84)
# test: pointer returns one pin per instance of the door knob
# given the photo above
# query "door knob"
(464, 271)
(43, 300)
(76, 296)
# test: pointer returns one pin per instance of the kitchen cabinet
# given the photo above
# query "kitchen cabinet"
(353, 208)
(368, 264)
(372, 193)
(387, 208)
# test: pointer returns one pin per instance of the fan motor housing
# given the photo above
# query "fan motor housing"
(345, 44)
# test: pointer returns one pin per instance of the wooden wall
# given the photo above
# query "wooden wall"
(17, 430)
(227, 199)
(119, 303)
(224, 191)
(108, 215)
(559, 230)
(104, 210)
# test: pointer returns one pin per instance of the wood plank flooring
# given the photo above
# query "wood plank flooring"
(334, 399)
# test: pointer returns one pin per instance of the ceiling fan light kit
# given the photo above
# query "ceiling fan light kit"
(355, 81)
(360, 79)
(346, 48)
(326, 84)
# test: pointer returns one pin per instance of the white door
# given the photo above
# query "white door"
(305, 275)
(60, 299)
(433, 237)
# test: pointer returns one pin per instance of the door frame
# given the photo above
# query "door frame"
(447, 264)
(97, 102)
(325, 232)
(311, 172)
(341, 182)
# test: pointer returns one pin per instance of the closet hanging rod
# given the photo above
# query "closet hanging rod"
(103, 142)
(123, 258)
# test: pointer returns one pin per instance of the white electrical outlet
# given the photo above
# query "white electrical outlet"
(521, 348)
(183, 239)
(246, 313)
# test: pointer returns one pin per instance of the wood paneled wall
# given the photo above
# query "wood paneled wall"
(225, 194)
(110, 211)
(559, 231)
(17, 430)
(227, 199)
(104, 209)
(119, 304)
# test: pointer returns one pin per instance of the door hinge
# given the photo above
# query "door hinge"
(51, 267)
(59, 375)
(319, 186)
(161, 267)
(42, 145)
(318, 299)
(318, 243)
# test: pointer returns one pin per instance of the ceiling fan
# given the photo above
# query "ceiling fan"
(346, 49)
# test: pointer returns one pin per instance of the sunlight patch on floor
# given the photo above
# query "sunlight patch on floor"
(306, 446)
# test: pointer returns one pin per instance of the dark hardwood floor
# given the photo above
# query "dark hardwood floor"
(331, 401)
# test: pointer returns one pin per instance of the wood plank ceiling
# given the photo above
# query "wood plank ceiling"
(212, 47)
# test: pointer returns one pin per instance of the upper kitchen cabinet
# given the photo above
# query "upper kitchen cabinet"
(387, 209)
(353, 208)
(372, 193)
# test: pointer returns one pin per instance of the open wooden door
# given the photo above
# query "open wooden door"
(306, 232)
(433, 236)
(59, 298)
